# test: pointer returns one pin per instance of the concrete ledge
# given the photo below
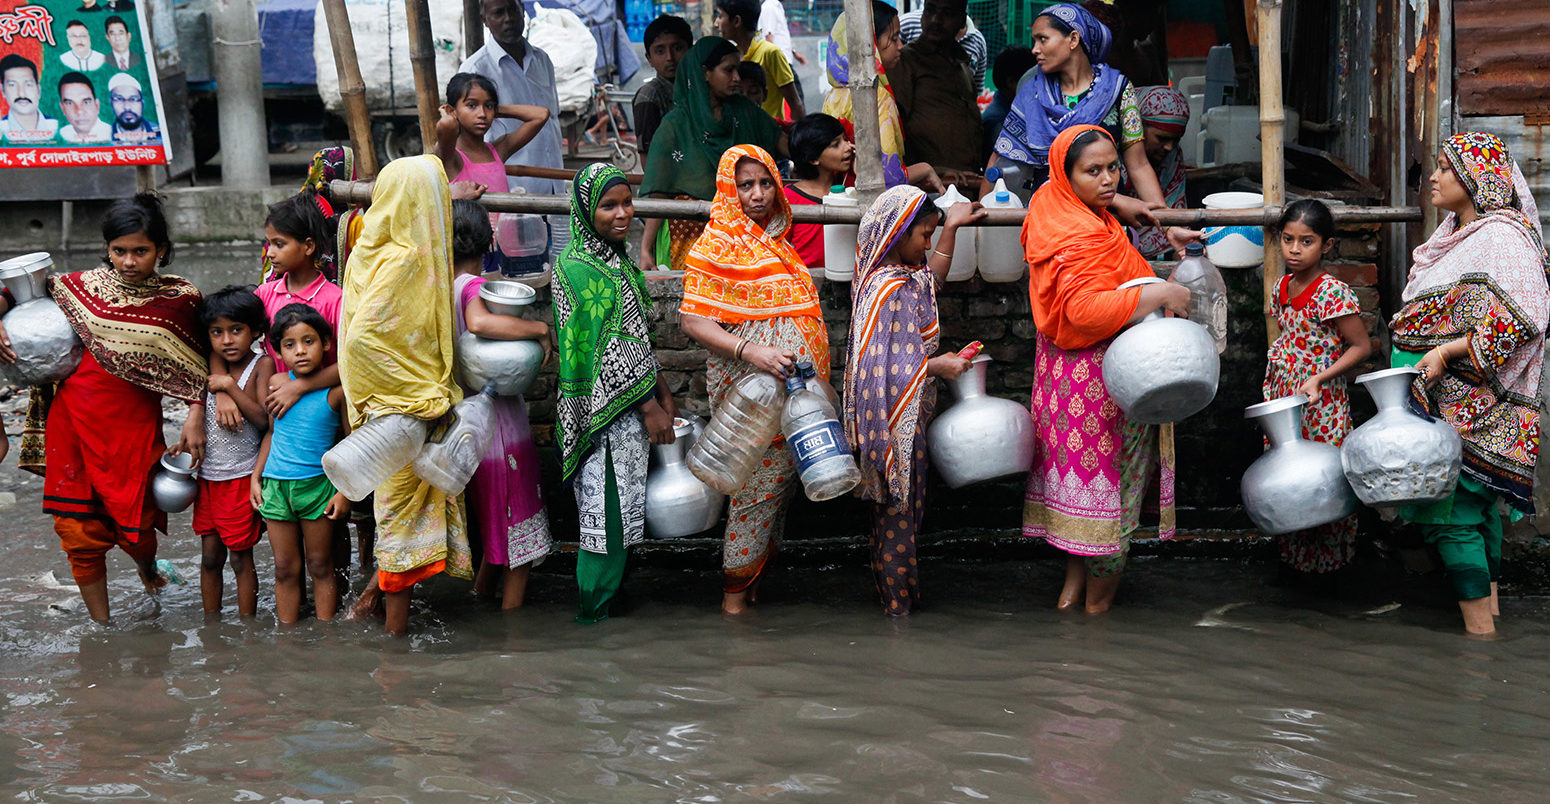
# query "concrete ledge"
(220, 215)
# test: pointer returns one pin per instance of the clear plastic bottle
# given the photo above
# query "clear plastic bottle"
(817, 439)
(1207, 293)
(453, 452)
(745, 423)
(366, 458)
(817, 386)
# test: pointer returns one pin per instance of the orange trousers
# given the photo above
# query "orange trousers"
(87, 542)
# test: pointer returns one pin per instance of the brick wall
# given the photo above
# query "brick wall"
(1213, 447)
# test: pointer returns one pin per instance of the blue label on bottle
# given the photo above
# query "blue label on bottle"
(817, 443)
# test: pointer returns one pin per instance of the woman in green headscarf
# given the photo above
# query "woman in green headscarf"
(709, 116)
(611, 406)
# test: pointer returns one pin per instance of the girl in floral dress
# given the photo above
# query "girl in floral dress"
(1322, 339)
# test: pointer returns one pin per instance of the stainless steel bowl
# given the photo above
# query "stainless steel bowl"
(506, 298)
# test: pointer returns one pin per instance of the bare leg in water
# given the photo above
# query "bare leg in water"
(734, 602)
(397, 605)
(366, 604)
(514, 587)
(1496, 606)
(1100, 593)
(1074, 590)
(1477, 616)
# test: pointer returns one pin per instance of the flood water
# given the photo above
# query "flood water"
(1205, 684)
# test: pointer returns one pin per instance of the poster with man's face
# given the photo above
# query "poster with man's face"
(77, 85)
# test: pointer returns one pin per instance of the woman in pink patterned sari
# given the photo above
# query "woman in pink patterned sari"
(1091, 465)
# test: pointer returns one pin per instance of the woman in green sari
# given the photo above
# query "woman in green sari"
(611, 407)
(709, 116)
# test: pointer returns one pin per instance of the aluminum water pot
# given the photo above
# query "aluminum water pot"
(511, 366)
(677, 503)
(1161, 370)
(980, 437)
(1399, 457)
(1297, 484)
(173, 489)
(47, 349)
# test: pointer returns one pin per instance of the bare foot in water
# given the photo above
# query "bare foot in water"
(734, 602)
(1074, 592)
(368, 603)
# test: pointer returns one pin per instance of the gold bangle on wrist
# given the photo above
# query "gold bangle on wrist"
(941, 254)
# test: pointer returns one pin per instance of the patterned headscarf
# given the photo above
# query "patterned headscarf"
(839, 104)
(1165, 108)
(1492, 179)
(738, 270)
(607, 365)
(894, 331)
(1097, 39)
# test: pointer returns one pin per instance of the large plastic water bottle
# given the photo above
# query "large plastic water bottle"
(1207, 293)
(817, 439)
(366, 458)
(745, 423)
(453, 452)
(817, 386)
(839, 239)
(1000, 247)
(965, 248)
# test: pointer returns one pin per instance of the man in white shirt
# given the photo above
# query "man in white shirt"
(23, 122)
(522, 74)
(120, 56)
(80, 57)
(78, 101)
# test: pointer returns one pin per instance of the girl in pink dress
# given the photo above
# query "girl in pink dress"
(472, 106)
(505, 503)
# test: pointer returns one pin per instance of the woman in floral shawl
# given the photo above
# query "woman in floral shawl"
(1476, 305)
(96, 436)
(610, 407)
(749, 300)
(1091, 465)
(890, 388)
(709, 116)
(395, 356)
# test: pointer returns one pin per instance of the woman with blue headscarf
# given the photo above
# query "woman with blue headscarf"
(1073, 86)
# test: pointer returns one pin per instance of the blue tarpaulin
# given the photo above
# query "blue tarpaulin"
(286, 28)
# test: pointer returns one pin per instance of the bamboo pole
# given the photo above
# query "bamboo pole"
(1272, 130)
(863, 98)
(558, 174)
(352, 90)
(473, 27)
(422, 57)
(359, 193)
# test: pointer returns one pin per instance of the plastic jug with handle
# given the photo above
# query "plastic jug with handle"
(1001, 247)
(966, 246)
(839, 239)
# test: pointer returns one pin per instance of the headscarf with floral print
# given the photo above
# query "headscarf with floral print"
(607, 365)
(1492, 179)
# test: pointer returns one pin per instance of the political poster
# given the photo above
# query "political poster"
(78, 85)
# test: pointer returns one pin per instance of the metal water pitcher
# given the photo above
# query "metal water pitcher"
(174, 488)
(1161, 370)
(1297, 484)
(1399, 457)
(47, 349)
(677, 503)
(981, 437)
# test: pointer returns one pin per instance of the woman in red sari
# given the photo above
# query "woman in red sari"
(96, 436)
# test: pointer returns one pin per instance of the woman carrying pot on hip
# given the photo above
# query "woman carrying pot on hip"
(749, 300)
(1091, 465)
(1475, 309)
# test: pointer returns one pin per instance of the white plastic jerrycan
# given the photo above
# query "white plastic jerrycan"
(966, 246)
(839, 239)
(1000, 247)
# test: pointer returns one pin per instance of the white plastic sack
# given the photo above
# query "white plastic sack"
(569, 43)
(382, 47)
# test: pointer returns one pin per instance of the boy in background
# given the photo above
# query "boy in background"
(737, 20)
(666, 40)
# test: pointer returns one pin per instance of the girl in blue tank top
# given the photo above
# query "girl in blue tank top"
(289, 488)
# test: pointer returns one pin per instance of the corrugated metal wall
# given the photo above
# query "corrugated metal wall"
(1502, 52)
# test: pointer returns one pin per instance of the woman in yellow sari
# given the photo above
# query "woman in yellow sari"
(396, 357)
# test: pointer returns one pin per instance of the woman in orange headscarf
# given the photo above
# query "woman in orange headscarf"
(749, 300)
(1091, 465)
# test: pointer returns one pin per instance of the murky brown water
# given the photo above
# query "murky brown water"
(1204, 685)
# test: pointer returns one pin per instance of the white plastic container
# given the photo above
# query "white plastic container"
(839, 239)
(965, 246)
(1001, 247)
(725, 455)
(1235, 246)
(817, 441)
(366, 458)
(452, 453)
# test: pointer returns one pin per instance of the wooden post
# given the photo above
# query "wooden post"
(863, 98)
(1272, 130)
(352, 90)
(473, 27)
(422, 57)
